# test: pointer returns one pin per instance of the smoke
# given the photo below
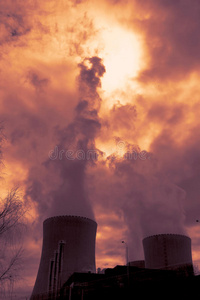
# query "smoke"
(74, 150)
(145, 202)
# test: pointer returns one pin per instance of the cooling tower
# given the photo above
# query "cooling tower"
(168, 251)
(68, 247)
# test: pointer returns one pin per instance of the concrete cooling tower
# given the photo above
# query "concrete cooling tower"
(168, 251)
(68, 247)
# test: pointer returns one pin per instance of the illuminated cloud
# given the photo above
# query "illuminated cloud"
(109, 76)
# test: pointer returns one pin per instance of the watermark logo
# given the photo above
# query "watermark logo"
(60, 154)
(94, 154)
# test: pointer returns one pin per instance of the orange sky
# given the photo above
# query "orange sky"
(116, 77)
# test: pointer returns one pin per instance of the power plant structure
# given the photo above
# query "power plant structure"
(68, 247)
(168, 251)
(67, 267)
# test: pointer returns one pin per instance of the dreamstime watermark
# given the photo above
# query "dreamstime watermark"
(94, 154)
(90, 154)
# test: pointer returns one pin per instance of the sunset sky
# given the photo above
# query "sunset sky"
(100, 105)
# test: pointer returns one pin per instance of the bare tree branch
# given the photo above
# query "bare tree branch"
(9, 272)
(12, 210)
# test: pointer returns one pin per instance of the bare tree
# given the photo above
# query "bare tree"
(12, 211)
(12, 225)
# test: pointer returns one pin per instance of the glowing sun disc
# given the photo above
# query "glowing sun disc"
(121, 58)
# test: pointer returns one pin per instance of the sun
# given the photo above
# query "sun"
(121, 57)
(121, 52)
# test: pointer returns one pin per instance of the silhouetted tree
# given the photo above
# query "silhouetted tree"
(12, 212)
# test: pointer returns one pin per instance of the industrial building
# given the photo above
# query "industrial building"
(67, 267)
(120, 284)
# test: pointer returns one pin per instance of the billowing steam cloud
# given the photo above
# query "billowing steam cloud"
(74, 150)
(147, 202)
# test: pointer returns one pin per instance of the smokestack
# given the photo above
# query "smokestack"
(68, 247)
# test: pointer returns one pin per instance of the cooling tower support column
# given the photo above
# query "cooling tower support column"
(68, 247)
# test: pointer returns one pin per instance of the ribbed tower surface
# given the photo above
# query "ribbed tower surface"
(167, 251)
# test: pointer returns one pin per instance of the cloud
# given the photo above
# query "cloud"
(148, 203)
(171, 36)
(69, 195)
(13, 24)
(55, 112)
(169, 33)
(180, 163)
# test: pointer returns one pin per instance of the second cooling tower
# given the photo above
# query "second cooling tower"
(168, 251)
(68, 247)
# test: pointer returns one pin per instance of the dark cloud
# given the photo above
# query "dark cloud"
(164, 113)
(36, 81)
(180, 163)
(13, 26)
(171, 30)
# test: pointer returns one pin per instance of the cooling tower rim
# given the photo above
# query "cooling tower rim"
(167, 235)
(69, 218)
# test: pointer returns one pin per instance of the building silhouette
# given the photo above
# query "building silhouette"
(67, 267)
